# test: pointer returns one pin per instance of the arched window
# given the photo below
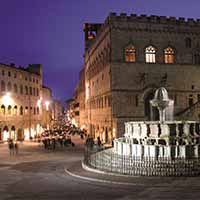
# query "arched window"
(38, 111)
(15, 88)
(150, 53)
(3, 110)
(3, 86)
(9, 110)
(26, 110)
(130, 54)
(33, 91)
(30, 90)
(26, 90)
(196, 57)
(37, 92)
(188, 43)
(21, 89)
(169, 55)
(9, 87)
(31, 110)
(21, 110)
(34, 111)
(15, 110)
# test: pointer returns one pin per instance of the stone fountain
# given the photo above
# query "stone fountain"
(157, 148)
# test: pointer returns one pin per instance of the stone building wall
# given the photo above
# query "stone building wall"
(128, 86)
(20, 112)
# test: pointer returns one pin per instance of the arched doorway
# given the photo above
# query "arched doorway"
(6, 134)
(151, 113)
(20, 135)
(12, 133)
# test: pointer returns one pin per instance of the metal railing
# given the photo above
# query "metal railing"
(108, 161)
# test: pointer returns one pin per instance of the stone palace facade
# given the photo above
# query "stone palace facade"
(126, 59)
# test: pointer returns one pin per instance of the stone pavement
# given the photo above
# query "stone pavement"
(81, 171)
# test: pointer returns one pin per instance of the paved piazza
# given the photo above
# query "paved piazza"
(37, 174)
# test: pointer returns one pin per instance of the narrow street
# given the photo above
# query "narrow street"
(37, 173)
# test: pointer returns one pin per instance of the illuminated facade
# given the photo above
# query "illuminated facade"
(20, 111)
(46, 106)
(127, 58)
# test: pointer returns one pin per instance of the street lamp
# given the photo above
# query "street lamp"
(47, 105)
(7, 99)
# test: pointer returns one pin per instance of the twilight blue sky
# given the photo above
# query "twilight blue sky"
(50, 32)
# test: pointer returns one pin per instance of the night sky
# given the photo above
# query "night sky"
(49, 32)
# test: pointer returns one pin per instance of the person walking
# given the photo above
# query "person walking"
(11, 147)
(16, 148)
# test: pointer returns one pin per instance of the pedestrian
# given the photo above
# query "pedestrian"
(16, 148)
(11, 147)
(53, 143)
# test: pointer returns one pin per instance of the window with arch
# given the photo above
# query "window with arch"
(30, 90)
(21, 89)
(37, 92)
(9, 110)
(130, 54)
(21, 110)
(169, 55)
(15, 88)
(3, 86)
(33, 91)
(150, 53)
(15, 110)
(34, 111)
(31, 110)
(188, 43)
(26, 90)
(38, 111)
(9, 86)
(196, 57)
(26, 110)
(3, 110)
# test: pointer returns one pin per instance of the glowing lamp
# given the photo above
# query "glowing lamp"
(7, 100)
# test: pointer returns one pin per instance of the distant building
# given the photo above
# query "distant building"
(47, 107)
(57, 110)
(126, 59)
(20, 93)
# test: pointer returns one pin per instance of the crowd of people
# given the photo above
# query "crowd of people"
(60, 137)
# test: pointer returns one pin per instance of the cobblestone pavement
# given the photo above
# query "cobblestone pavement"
(37, 174)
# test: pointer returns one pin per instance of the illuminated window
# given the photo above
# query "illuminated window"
(15, 110)
(150, 53)
(15, 88)
(3, 86)
(188, 43)
(130, 55)
(9, 87)
(169, 55)
(9, 110)
(3, 110)
(196, 57)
